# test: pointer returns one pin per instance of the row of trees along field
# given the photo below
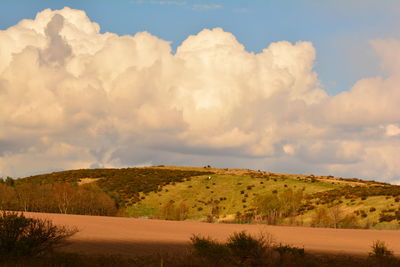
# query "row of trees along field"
(69, 198)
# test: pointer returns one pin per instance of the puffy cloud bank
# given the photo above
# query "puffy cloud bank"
(71, 97)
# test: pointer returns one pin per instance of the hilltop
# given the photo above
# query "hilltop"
(210, 194)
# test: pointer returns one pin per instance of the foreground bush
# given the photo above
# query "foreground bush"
(380, 250)
(242, 249)
(28, 237)
(246, 249)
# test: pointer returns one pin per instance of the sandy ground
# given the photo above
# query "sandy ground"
(114, 235)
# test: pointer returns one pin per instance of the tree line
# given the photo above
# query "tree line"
(67, 198)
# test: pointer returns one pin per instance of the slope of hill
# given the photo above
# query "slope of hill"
(127, 183)
(234, 196)
(225, 195)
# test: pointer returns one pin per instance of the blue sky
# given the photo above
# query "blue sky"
(339, 30)
(72, 97)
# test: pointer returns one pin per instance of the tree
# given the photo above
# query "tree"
(273, 207)
(290, 201)
(181, 212)
(336, 215)
(168, 210)
(321, 218)
(7, 197)
(10, 181)
(64, 195)
(25, 196)
(269, 207)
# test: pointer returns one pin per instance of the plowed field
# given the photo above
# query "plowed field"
(115, 235)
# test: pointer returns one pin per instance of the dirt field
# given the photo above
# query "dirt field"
(114, 235)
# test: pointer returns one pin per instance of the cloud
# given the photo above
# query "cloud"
(73, 97)
(392, 130)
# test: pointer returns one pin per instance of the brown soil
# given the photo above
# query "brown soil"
(129, 236)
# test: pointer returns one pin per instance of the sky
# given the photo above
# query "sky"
(286, 86)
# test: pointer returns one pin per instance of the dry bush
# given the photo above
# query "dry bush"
(240, 249)
(380, 250)
(28, 237)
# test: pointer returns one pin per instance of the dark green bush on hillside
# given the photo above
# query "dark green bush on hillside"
(354, 192)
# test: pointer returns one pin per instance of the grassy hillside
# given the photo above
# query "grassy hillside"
(125, 183)
(230, 195)
(234, 195)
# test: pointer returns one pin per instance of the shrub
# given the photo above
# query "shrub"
(349, 221)
(208, 249)
(26, 237)
(249, 250)
(287, 249)
(321, 218)
(380, 250)
(243, 249)
(383, 217)
(372, 209)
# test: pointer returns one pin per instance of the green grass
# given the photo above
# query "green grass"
(201, 193)
(371, 220)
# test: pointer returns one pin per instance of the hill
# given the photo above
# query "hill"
(126, 183)
(212, 194)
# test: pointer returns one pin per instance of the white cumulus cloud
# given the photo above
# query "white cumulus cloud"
(72, 97)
